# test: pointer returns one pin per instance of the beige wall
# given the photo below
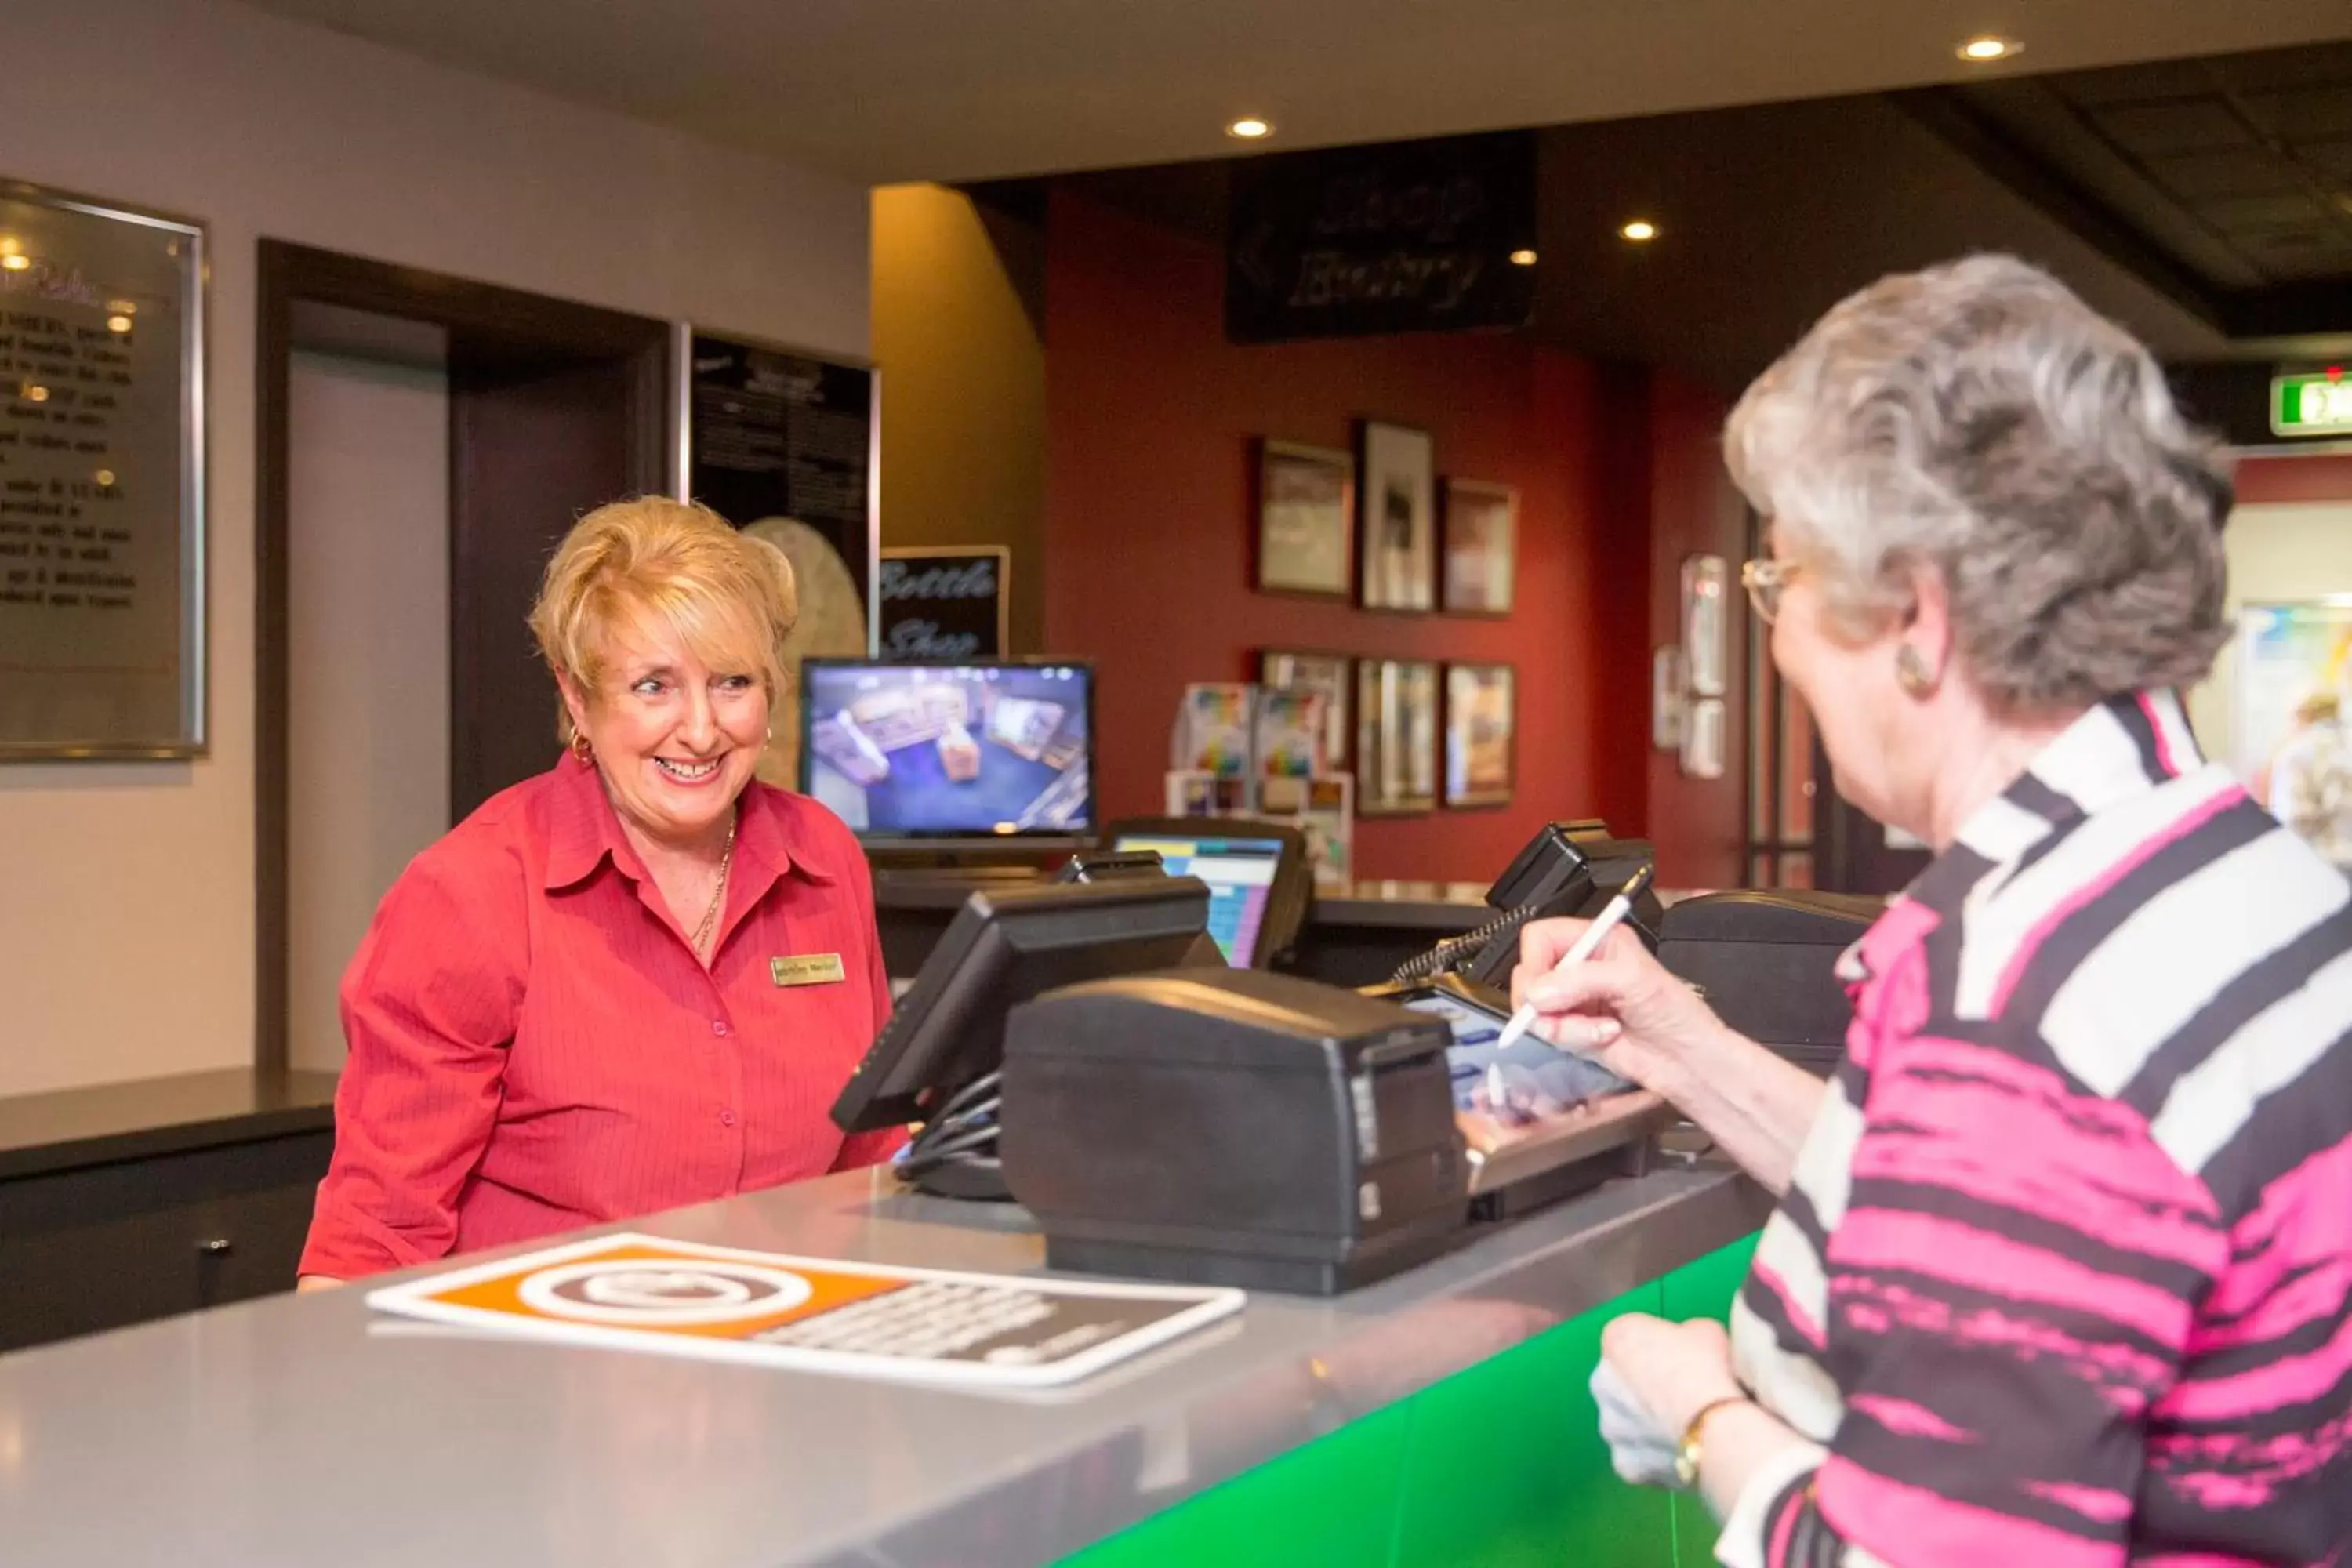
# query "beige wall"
(2275, 553)
(126, 891)
(957, 296)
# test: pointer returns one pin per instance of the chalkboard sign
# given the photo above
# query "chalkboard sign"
(102, 480)
(946, 604)
(781, 443)
(1414, 236)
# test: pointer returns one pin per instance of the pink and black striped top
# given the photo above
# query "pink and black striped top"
(2061, 1278)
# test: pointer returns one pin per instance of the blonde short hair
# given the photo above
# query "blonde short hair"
(729, 596)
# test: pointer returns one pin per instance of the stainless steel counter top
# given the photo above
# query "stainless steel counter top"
(305, 1430)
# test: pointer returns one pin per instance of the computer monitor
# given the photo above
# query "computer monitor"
(1006, 946)
(1259, 882)
(953, 755)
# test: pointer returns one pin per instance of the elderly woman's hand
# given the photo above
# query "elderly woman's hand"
(1620, 1006)
(1655, 1376)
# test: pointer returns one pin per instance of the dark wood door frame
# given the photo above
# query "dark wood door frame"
(491, 331)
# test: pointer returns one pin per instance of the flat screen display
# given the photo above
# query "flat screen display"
(1240, 875)
(937, 752)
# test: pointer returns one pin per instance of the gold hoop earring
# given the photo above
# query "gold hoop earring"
(1911, 671)
(581, 748)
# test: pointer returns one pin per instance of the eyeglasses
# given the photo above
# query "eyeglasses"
(1764, 578)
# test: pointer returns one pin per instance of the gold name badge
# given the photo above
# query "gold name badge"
(816, 969)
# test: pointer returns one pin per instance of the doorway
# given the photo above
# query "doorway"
(546, 408)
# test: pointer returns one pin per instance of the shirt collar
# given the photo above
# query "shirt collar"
(2126, 745)
(584, 831)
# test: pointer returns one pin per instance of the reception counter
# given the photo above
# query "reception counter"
(1439, 1417)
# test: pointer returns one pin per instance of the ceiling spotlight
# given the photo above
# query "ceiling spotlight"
(1523, 259)
(118, 323)
(1979, 51)
(1641, 231)
(16, 261)
(1249, 127)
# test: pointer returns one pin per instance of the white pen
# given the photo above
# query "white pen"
(1586, 945)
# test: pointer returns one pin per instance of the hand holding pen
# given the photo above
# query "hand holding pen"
(1585, 946)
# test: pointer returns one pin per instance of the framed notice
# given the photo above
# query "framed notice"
(102, 479)
(1399, 503)
(782, 444)
(949, 603)
(1305, 520)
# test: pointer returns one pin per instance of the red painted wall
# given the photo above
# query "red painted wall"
(1694, 510)
(2320, 477)
(1150, 420)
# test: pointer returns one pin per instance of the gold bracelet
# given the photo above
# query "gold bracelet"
(1687, 1453)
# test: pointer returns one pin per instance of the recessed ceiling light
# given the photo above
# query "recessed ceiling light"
(1641, 231)
(118, 323)
(1249, 127)
(1523, 259)
(1987, 46)
(16, 261)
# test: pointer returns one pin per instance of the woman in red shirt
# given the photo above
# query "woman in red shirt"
(572, 1008)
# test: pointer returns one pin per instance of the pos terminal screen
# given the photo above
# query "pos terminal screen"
(1240, 875)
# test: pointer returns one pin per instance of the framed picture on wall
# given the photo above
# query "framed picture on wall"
(1333, 675)
(1305, 520)
(1482, 525)
(1481, 734)
(1706, 590)
(1396, 736)
(1397, 499)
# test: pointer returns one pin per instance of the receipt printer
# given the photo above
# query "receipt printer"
(1231, 1126)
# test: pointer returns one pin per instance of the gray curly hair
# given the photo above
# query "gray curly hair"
(1978, 418)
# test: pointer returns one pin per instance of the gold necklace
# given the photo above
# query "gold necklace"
(710, 916)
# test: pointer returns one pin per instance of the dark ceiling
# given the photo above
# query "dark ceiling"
(2230, 178)
(2205, 204)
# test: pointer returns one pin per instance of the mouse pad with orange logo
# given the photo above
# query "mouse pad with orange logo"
(918, 1325)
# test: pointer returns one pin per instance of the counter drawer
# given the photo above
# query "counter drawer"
(106, 1245)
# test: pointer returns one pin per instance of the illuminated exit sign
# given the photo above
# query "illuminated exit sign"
(2316, 405)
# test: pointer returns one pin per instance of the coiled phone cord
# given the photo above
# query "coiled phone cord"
(1455, 951)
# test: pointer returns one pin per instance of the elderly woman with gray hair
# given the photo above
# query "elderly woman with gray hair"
(2059, 1269)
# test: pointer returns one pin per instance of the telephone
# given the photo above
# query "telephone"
(1569, 868)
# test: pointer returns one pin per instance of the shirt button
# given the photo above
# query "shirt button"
(718, 1025)
(726, 1118)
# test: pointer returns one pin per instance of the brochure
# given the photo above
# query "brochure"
(1213, 729)
(636, 1292)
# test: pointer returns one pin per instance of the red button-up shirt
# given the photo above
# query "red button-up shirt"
(534, 1046)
